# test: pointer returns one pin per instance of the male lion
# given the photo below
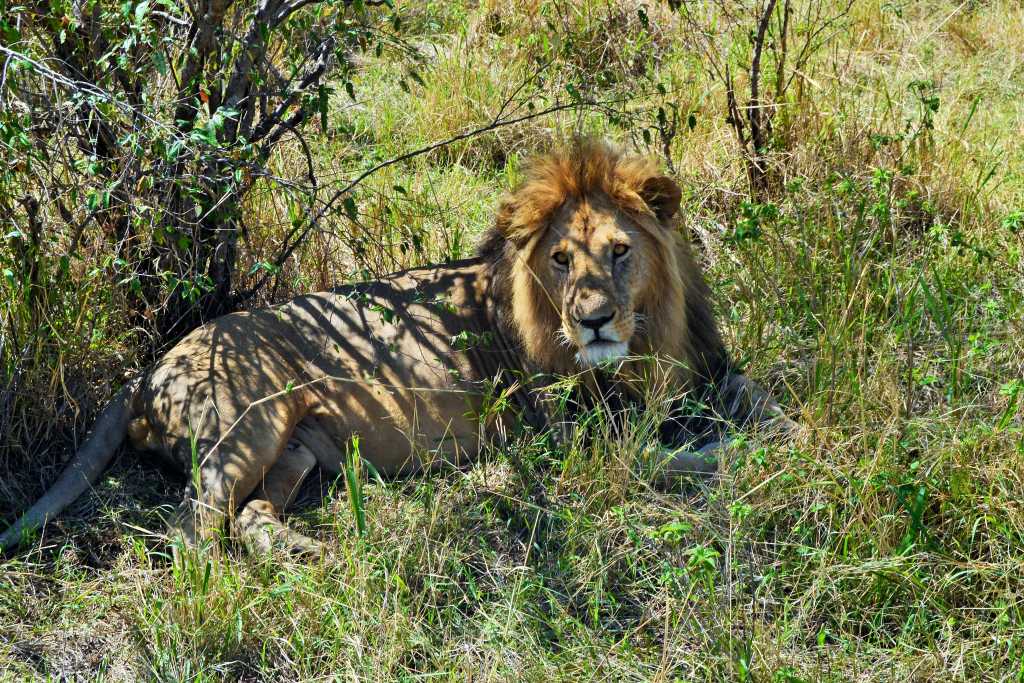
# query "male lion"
(584, 266)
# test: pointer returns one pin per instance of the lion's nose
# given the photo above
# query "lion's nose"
(597, 322)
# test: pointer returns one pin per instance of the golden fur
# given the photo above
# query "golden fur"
(673, 299)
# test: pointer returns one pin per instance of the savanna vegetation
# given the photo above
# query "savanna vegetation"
(854, 185)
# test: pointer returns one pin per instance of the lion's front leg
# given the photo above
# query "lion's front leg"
(738, 401)
(258, 524)
(683, 462)
(743, 402)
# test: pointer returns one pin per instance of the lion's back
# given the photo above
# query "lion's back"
(404, 330)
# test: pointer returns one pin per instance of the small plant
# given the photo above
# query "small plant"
(354, 464)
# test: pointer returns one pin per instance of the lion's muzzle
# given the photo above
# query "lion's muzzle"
(599, 338)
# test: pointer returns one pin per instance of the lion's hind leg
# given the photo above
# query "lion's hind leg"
(258, 524)
(231, 456)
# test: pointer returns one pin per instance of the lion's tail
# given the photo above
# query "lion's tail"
(83, 470)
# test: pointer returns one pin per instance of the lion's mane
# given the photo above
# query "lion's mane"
(678, 318)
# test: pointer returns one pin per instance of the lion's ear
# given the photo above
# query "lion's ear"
(505, 220)
(662, 195)
(518, 220)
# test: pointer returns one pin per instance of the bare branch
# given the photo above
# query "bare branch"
(292, 241)
(266, 126)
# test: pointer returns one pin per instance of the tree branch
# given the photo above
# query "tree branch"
(290, 245)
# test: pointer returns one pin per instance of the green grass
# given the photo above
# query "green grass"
(878, 291)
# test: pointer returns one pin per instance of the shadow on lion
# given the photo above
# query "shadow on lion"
(585, 274)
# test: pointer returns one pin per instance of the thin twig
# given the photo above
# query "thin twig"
(291, 245)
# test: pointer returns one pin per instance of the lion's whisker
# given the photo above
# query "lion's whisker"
(562, 338)
(639, 323)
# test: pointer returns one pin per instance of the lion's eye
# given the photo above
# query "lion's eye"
(620, 250)
(561, 258)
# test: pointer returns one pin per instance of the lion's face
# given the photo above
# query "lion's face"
(594, 262)
(596, 266)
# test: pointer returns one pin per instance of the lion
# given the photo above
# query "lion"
(584, 271)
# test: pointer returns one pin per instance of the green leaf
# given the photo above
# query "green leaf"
(387, 314)
(271, 268)
(160, 62)
(354, 483)
(350, 208)
(175, 149)
(141, 11)
(641, 14)
(1014, 221)
(322, 105)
